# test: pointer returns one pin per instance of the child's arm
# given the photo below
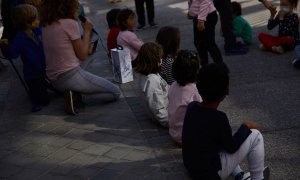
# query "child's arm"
(135, 42)
(273, 21)
(268, 5)
(232, 143)
(4, 42)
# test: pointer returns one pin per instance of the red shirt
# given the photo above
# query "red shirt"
(112, 38)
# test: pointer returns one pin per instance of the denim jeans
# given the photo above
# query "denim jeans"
(297, 52)
(80, 80)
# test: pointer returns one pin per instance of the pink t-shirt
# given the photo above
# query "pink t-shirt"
(179, 97)
(59, 51)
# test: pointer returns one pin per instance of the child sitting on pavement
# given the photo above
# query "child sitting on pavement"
(182, 91)
(127, 38)
(111, 18)
(288, 34)
(241, 28)
(153, 86)
(209, 149)
(169, 38)
(27, 43)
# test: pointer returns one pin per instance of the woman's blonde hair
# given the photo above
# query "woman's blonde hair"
(23, 15)
(53, 10)
(149, 59)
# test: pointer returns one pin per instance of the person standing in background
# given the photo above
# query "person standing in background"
(140, 11)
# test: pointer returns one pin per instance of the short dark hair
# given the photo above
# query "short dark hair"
(185, 67)
(122, 17)
(169, 38)
(111, 17)
(236, 8)
(212, 81)
(149, 59)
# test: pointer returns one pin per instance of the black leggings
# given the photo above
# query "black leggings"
(204, 41)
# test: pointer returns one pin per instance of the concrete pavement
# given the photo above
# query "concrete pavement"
(119, 141)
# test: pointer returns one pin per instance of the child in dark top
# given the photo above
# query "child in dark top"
(241, 28)
(27, 44)
(169, 38)
(111, 18)
(209, 149)
(288, 35)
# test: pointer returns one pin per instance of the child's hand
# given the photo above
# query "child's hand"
(251, 125)
(281, 15)
(272, 10)
(200, 25)
(4, 41)
(189, 16)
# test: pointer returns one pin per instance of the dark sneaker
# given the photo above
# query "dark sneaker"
(296, 63)
(239, 176)
(78, 100)
(140, 27)
(152, 24)
(69, 107)
(236, 51)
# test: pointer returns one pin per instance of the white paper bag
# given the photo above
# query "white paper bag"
(121, 62)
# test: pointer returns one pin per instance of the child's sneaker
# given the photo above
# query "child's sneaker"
(263, 47)
(241, 176)
(296, 63)
(277, 49)
(69, 107)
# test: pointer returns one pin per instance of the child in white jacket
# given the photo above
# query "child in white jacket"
(154, 87)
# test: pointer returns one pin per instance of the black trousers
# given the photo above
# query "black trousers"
(224, 9)
(140, 10)
(204, 41)
(38, 91)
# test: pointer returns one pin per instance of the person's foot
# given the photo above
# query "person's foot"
(263, 47)
(78, 101)
(296, 63)
(140, 27)
(69, 107)
(242, 176)
(278, 49)
(236, 51)
(152, 24)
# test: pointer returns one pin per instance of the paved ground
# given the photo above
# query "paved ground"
(118, 141)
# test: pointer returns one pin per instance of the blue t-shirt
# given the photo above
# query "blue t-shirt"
(31, 52)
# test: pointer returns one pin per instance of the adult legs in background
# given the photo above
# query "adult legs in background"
(140, 11)
(204, 40)
(253, 149)
(150, 11)
(224, 9)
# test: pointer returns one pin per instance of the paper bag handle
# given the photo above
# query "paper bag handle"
(119, 47)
